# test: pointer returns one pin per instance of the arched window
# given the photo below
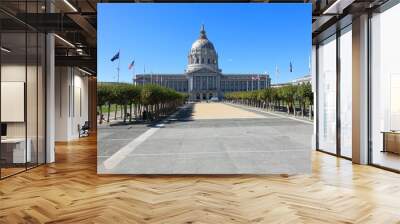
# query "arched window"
(202, 60)
(208, 61)
(197, 60)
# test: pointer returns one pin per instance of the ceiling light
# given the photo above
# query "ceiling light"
(337, 7)
(5, 50)
(84, 71)
(70, 5)
(65, 41)
(79, 51)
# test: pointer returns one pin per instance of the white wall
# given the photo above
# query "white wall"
(13, 101)
(80, 105)
(62, 82)
(14, 73)
(33, 126)
(17, 73)
(71, 102)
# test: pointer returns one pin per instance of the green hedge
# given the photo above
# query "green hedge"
(144, 102)
(290, 96)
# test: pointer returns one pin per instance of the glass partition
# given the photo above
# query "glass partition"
(22, 77)
(14, 153)
(31, 97)
(327, 95)
(41, 97)
(346, 92)
(385, 89)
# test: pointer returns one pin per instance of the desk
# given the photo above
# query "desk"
(391, 141)
(15, 148)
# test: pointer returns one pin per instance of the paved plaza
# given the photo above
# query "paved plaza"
(208, 138)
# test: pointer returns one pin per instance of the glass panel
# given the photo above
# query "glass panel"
(346, 92)
(2, 161)
(31, 98)
(32, 88)
(23, 82)
(385, 84)
(13, 91)
(41, 98)
(327, 95)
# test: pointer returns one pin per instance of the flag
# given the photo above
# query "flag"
(277, 72)
(290, 67)
(131, 65)
(116, 56)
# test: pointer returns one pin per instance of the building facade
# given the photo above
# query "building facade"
(298, 81)
(203, 79)
(302, 80)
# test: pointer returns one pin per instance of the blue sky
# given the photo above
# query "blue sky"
(249, 38)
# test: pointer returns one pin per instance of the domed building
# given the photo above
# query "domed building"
(202, 54)
(203, 79)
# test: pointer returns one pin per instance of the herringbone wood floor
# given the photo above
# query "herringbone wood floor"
(70, 191)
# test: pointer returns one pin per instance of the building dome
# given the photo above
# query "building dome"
(202, 54)
(202, 44)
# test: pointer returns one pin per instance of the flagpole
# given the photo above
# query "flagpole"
(119, 62)
(133, 74)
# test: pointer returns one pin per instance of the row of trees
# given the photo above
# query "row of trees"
(144, 102)
(290, 98)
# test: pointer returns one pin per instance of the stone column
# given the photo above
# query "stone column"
(360, 90)
(50, 98)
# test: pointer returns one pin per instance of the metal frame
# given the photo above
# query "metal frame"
(44, 74)
(37, 93)
(0, 93)
(316, 107)
(338, 153)
(26, 89)
(369, 98)
(338, 75)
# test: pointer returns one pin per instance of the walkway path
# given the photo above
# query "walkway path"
(208, 138)
(220, 111)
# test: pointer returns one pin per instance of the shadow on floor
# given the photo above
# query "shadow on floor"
(184, 114)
